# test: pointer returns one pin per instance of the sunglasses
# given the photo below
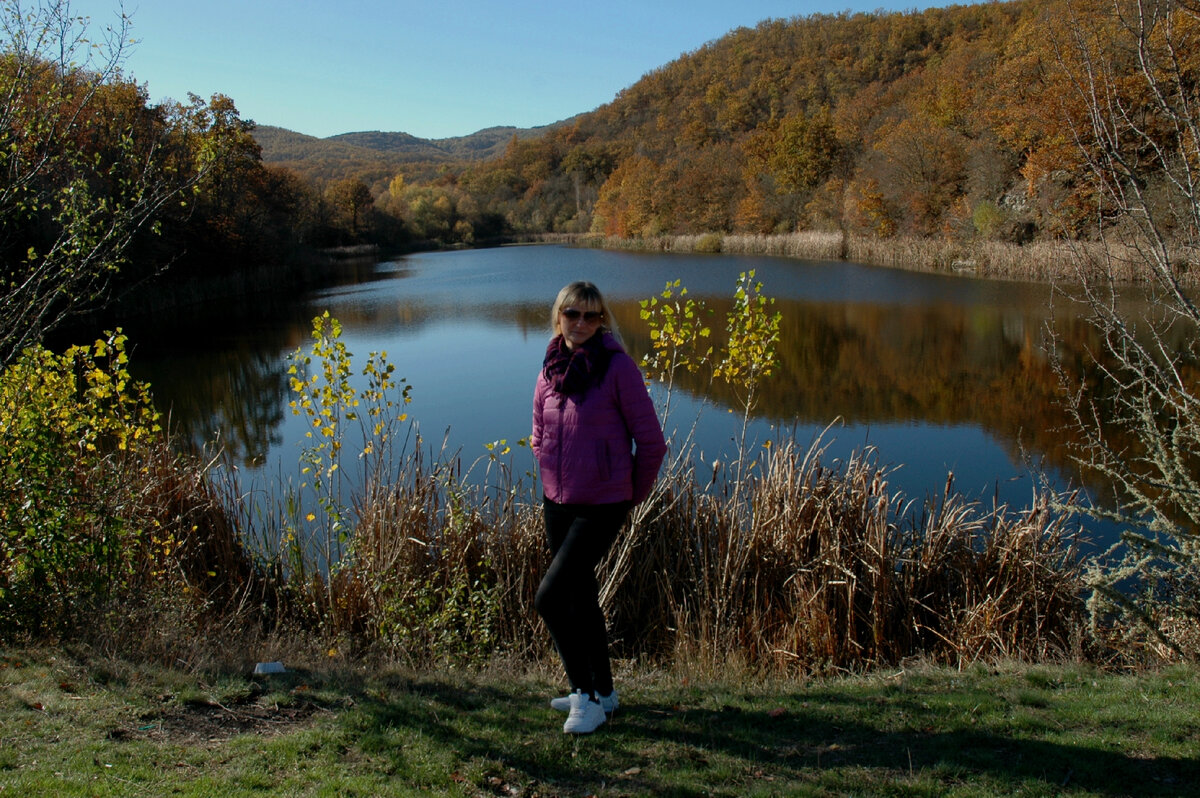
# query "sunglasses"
(590, 316)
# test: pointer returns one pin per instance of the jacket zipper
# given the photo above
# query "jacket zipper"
(562, 401)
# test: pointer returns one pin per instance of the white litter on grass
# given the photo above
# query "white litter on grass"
(269, 667)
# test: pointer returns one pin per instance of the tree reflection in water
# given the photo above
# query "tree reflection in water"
(235, 398)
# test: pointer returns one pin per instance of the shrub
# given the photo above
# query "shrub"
(70, 425)
(709, 244)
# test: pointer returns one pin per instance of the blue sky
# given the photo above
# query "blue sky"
(435, 68)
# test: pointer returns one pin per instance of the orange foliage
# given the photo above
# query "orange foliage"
(927, 114)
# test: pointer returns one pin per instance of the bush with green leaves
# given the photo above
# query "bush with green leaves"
(320, 518)
(71, 425)
(679, 339)
(395, 552)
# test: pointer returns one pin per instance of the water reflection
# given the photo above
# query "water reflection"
(939, 373)
(943, 364)
(236, 397)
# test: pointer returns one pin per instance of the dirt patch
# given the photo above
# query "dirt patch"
(209, 723)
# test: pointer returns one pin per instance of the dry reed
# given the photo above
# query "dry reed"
(807, 567)
(831, 570)
(1039, 261)
(192, 592)
(448, 569)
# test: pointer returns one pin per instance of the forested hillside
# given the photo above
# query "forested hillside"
(929, 123)
(949, 122)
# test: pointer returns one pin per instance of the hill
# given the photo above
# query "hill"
(376, 155)
(484, 144)
(885, 123)
(948, 123)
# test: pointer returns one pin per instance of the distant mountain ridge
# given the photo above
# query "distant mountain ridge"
(374, 155)
(481, 145)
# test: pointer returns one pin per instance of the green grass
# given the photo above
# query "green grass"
(75, 727)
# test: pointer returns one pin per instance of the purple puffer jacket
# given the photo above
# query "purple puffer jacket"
(585, 444)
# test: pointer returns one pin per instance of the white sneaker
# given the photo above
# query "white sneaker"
(608, 703)
(586, 714)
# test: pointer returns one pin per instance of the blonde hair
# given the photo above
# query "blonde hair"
(584, 296)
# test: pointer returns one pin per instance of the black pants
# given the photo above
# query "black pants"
(568, 599)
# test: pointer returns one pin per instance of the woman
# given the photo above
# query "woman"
(599, 447)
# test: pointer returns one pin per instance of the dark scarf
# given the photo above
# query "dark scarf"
(572, 371)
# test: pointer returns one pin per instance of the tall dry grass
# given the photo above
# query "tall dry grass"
(830, 569)
(193, 592)
(1039, 261)
(820, 566)
(809, 244)
(445, 567)
(786, 562)
(825, 568)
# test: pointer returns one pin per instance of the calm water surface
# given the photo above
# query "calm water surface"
(939, 374)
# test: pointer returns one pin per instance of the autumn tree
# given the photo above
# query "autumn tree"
(925, 168)
(804, 151)
(700, 192)
(85, 167)
(350, 196)
(240, 211)
(630, 203)
(587, 168)
(391, 201)
(431, 212)
(222, 147)
(786, 163)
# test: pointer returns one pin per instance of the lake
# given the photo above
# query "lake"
(938, 373)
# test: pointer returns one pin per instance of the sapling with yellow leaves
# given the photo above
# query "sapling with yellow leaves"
(326, 397)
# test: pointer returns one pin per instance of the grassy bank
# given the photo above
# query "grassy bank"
(81, 725)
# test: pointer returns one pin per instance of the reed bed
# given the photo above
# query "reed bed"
(809, 244)
(1039, 261)
(789, 563)
(809, 567)
(804, 566)
(447, 569)
(182, 584)
(781, 560)
(828, 569)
